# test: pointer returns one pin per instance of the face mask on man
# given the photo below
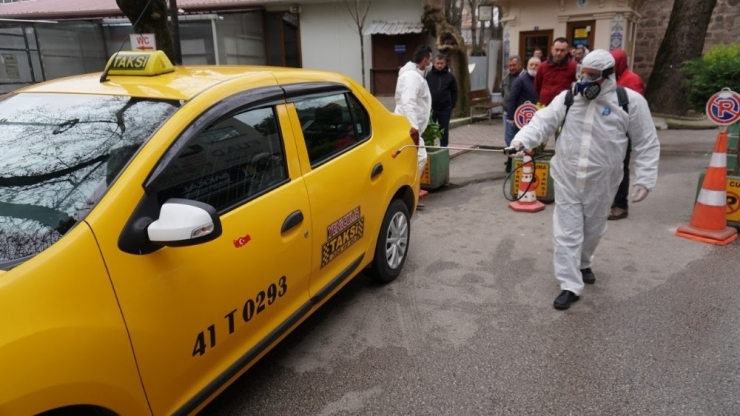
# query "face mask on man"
(587, 86)
(532, 72)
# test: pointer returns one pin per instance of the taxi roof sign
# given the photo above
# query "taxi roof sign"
(147, 63)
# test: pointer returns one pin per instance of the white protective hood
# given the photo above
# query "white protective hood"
(414, 101)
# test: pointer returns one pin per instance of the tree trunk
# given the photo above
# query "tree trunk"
(449, 42)
(153, 20)
(684, 40)
(474, 28)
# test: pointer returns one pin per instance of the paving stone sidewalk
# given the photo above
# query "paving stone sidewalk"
(479, 134)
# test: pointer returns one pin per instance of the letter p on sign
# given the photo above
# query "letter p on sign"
(143, 42)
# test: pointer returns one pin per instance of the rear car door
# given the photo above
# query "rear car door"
(343, 171)
(197, 315)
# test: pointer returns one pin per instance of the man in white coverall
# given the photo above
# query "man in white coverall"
(587, 166)
(413, 98)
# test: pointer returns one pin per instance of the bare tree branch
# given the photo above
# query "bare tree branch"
(361, 7)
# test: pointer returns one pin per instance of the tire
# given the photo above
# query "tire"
(393, 243)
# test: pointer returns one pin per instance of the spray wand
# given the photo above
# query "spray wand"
(506, 150)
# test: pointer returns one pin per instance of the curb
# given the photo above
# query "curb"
(685, 123)
(457, 122)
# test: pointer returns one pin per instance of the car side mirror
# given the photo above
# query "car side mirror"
(183, 222)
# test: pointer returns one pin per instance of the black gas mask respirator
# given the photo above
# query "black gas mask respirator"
(589, 86)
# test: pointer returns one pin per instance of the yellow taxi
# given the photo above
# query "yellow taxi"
(161, 228)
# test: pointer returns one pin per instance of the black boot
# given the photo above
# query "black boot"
(589, 277)
(564, 299)
(508, 165)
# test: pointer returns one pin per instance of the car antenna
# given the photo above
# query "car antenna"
(104, 76)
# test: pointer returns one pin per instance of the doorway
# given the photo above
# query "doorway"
(530, 40)
(282, 39)
(582, 33)
(391, 52)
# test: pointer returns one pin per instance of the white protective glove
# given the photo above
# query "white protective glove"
(516, 144)
(639, 193)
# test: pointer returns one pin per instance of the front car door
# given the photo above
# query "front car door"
(198, 315)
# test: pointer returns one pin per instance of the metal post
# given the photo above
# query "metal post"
(175, 32)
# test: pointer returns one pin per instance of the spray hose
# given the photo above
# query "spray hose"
(508, 151)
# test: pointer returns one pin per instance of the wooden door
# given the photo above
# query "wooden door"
(532, 39)
(582, 33)
(282, 39)
(391, 52)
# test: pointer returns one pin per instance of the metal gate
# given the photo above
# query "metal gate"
(20, 62)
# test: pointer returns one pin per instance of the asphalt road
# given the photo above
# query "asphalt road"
(469, 327)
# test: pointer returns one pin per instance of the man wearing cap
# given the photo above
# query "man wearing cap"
(587, 166)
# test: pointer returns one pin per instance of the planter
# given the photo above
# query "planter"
(437, 170)
(543, 183)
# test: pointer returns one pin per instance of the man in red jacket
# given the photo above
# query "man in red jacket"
(557, 73)
(627, 79)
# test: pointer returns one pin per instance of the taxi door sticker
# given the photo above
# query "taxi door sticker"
(341, 234)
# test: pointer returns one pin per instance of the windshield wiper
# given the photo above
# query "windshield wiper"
(62, 127)
(7, 265)
(53, 218)
(36, 179)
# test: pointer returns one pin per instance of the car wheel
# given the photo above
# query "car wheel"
(393, 243)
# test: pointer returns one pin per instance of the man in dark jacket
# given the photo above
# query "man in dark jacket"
(443, 87)
(515, 71)
(522, 91)
(628, 79)
(557, 73)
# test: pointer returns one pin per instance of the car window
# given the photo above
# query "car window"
(59, 154)
(228, 163)
(331, 125)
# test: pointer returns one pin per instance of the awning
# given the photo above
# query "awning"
(381, 27)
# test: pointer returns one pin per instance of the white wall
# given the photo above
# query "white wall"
(329, 39)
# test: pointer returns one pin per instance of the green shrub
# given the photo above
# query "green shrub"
(719, 68)
(432, 133)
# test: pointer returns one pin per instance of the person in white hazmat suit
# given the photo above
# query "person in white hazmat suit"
(413, 98)
(587, 166)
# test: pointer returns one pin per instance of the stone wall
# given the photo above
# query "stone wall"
(724, 27)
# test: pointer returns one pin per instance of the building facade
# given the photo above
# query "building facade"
(44, 39)
(597, 24)
(47, 39)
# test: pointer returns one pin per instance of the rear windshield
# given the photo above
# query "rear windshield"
(59, 153)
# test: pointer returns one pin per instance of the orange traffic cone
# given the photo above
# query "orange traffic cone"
(709, 221)
(527, 198)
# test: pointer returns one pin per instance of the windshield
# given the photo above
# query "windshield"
(59, 154)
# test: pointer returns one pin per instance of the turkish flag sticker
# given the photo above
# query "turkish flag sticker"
(242, 241)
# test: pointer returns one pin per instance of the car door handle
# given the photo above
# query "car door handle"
(377, 170)
(292, 220)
